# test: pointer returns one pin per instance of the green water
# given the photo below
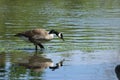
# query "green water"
(91, 32)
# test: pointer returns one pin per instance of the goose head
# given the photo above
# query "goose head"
(59, 34)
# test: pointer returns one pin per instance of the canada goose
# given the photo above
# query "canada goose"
(38, 36)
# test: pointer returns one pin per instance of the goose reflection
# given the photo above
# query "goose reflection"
(39, 63)
(36, 63)
(57, 66)
(2, 60)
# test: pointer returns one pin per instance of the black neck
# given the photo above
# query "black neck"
(54, 32)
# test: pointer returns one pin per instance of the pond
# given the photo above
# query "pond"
(91, 32)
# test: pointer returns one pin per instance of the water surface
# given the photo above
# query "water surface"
(91, 32)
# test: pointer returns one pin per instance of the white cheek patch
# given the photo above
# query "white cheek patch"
(59, 35)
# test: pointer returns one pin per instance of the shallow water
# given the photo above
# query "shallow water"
(91, 46)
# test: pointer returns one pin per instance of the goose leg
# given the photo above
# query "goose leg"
(36, 47)
(41, 46)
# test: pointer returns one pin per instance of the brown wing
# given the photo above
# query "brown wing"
(36, 33)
